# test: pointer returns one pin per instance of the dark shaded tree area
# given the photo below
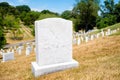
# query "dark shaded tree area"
(108, 16)
(66, 14)
(23, 8)
(87, 14)
(2, 37)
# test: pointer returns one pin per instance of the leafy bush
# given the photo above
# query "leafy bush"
(2, 39)
(104, 22)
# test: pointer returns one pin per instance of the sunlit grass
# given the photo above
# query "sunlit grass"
(98, 60)
(117, 33)
(112, 27)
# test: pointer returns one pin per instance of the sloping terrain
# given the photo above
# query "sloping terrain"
(98, 60)
(26, 35)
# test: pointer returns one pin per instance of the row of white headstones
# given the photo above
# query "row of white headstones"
(78, 38)
(8, 54)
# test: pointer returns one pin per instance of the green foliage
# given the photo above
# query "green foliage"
(11, 18)
(4, 4)
(47, 15)
(110, 14)
(66, 14)
(23, 8)
(30, 17)
(104, 22)
(86, 14)
(12, 24)
(117, 12)
(6, 9)
(2, 38)
(33, 29)
(48, 12)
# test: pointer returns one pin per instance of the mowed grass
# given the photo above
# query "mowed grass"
(98, 60)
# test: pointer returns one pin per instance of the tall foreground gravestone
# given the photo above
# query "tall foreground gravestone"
(53, 37)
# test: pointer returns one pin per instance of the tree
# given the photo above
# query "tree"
(86, 12)
(30, 17)
(109, 7)
(23, 8)
(117, 12)
(106, 21)
(109, 14)
(4, 8)
(48, 12)
(66, 14)
(2, 37)
(12, 24)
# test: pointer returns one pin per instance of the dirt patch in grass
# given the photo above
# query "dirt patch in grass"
(98, 60)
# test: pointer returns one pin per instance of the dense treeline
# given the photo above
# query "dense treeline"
(87, 14)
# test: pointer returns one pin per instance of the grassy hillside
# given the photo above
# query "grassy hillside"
(112, 27)
(26, 35)
(98, 60)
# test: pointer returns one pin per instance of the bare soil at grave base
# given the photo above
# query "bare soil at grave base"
(98, 60)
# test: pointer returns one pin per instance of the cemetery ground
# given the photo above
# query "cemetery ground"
(98, 60)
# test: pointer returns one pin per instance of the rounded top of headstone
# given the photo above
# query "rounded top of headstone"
(52, 20)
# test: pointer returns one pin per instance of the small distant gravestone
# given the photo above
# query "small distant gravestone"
(86, 38)
(92, 37)
(1, 52)
(19, 50)
(8, 50)
(106, 33)
(74, 40)
(8, 56)
(28, 50)
(53, 38)
(79, 41)
(97, 35)
(82, 39)
(103, 34)
(109, 31)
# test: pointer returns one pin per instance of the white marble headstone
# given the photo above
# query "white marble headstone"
(1, 52)
(102, 33)
(86, 38)
(82, 39)
(79, 41)
(97, 35)
(109, 31)
(53, 38)
(19, 50)
(8, 56)
(92, 37)
(74, 40)
(28, 50)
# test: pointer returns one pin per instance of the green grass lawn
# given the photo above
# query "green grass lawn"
(115, 26)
